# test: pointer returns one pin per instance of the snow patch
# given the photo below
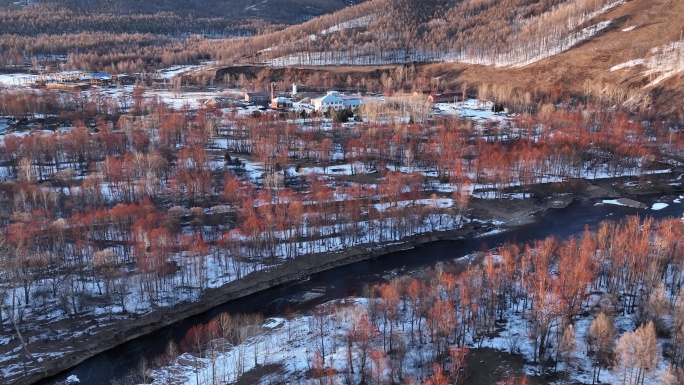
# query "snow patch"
(659, 206)
(354, 23)
(254, 7)
(173, 71)
(273, 323)
(612, 202)
(627, 64)
(17, 79)
(665, 61)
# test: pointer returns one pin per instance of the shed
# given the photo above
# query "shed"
(281, 102)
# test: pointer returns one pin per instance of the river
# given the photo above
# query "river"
(350, 279)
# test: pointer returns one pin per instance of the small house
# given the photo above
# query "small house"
(258, 97)
(451, 97)
(219, 102)
(281, 103)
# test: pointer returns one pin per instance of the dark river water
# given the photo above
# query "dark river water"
(349, 280)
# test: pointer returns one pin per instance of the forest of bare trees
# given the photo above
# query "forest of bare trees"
(139, 206)
(611, 295)
(510, 33)
(115, 204)
(97, 34)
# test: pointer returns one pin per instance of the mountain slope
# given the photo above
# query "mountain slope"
(638, 60)
(278, 11)
(618, 51)
(177, 17)
(502, 33)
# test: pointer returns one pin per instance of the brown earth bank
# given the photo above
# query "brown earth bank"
(512, 212)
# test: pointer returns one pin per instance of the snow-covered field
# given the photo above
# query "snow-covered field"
(170, 72)
(479, 111)
(17, 80)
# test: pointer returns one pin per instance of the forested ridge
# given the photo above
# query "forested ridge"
(493, 33)
(47, 30)
(283, 11)
(56, 17)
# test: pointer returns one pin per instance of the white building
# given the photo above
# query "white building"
(336, 101)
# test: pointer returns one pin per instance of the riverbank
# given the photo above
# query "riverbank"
(289, 271)
(505, 214)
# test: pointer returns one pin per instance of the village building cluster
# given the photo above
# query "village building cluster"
(334, 100)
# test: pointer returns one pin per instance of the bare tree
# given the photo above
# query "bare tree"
(567, 345)
(636, 354)
(600, 340)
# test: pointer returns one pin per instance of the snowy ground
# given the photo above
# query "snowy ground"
(175, 99)
(17, 80)
(292, 343)
(514, 340)
(170, 72)
(354, 23)
(627, 64)
(477, 110)
(662, 62)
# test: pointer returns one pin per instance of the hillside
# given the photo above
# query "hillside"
(135, 36)
(167, 16)
(616, 51)
(275, 10)
(502, 34)
(638, 59)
